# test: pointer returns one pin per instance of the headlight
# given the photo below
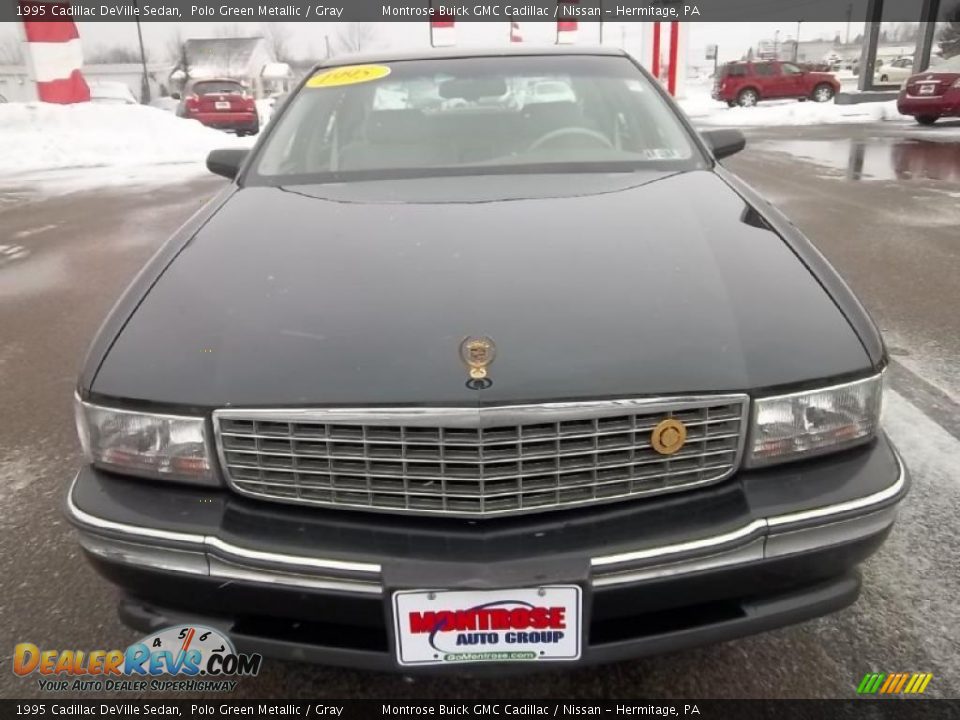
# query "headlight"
(800, 425)
(167, 447)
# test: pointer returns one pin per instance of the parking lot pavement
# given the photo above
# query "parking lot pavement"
(891, 233)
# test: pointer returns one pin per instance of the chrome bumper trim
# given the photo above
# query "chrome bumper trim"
(211, 556)
(761, 539)
(766, 538)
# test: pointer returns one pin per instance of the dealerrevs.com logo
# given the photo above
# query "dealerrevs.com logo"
(179, 658)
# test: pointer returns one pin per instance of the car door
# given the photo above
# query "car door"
(763, 75)
(903, 68)
(792, 81)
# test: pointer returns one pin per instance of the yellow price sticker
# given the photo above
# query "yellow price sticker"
(348, 75)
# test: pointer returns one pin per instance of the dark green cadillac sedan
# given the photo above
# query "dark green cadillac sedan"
(459, 370)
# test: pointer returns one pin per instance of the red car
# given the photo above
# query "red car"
(222, 104)
(932, 95)
(746, 83)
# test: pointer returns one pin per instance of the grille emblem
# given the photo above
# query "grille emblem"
(477, 353)
(668, 436)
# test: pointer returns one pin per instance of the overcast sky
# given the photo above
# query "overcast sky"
(307, 39)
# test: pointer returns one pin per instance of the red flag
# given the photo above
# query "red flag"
(53, 52)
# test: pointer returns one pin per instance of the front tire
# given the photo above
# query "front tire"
(927, 119)
(748, 98)
(823, 93)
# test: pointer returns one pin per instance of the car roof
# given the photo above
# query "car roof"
(385, 56)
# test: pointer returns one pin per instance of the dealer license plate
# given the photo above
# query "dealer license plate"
(438, 627)
(224, 105)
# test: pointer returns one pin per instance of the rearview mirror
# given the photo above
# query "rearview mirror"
(226, 162)
(724, 143)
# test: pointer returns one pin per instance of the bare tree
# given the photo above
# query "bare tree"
(950, 34)
(232, 30)
(353, 37)
(277, 38)
(176, 51)
(11, 51)
(173, 48)
(118, 54)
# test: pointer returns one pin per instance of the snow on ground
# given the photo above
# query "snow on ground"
(704, 110)
(71, 147)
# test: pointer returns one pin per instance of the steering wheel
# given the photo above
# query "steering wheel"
(561, 132)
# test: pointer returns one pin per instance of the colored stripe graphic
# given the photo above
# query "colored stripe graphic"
(893, 684)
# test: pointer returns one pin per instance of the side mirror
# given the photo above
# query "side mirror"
(226, 162)
(724, 143)
(175, 96)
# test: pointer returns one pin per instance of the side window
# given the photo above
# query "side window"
(789, 69)
(763, 69)
(737, 71)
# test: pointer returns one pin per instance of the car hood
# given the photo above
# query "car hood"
(360, 294)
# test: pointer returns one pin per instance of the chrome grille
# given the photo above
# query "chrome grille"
(477, 462)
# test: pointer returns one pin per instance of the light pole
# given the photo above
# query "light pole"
(796, 45)
(144, 80)
(776, 44)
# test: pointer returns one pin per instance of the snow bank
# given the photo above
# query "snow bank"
(795, 113)
(704, 110)
(40, 137)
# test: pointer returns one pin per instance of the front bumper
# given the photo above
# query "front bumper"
(764, 549)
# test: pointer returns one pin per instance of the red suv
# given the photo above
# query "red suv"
(223, 104)
(746, 83)
(932, 95)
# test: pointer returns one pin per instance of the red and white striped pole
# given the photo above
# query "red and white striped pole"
(655, 66)
(566, 29)
(442, 31)
(53, 53)
(674, 58)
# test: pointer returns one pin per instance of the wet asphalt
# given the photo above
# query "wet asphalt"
(881, 202)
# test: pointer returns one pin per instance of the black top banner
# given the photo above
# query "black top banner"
(485, 708)
(473, 11)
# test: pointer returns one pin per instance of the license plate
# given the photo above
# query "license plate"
(439, 627)
(927, 89)
(222, 105)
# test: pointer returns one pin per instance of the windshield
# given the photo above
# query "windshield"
(217, 87)
(474, 116)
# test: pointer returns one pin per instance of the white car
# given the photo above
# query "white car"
(165, 103)
(894, 72)
(111, 92)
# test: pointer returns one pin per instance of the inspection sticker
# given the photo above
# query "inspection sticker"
(348, 75)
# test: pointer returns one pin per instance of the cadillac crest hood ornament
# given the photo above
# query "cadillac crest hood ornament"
(477, 353)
